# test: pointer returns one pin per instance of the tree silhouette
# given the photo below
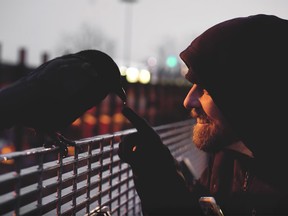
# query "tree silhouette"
(86, 38)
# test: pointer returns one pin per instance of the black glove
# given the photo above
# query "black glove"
(158, 182)
(143, 148)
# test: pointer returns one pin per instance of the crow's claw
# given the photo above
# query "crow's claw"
(63, 149)
(68, 142)
(62, 142)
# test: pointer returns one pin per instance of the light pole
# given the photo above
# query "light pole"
(128, 31)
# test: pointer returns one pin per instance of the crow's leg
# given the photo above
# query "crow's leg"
(60, 141)
(65, 140)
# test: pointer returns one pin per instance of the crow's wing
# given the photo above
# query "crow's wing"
(48, 93)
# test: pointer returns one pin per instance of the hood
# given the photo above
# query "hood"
(243, 64)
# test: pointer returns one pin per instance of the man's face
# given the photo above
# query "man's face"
(210, 132)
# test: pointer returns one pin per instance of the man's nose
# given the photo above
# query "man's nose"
(192, 98)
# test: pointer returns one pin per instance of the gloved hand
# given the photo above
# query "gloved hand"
(143, 148)
(158, 182)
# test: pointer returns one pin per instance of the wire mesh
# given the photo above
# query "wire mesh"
(41, 182)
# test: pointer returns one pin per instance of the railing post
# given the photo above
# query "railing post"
(17, 186)
(89, 161)
(59, 183)
(75, 176)
(40, 183)
(110, 169)
(100, 173)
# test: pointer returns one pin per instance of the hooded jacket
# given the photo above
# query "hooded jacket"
(243, 64)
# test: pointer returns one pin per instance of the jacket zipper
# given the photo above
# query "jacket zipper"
(245, 187)
(245, 183)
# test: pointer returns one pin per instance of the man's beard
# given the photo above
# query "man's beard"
(206, 136)
(211, 137)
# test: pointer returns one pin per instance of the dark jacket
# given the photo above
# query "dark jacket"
(232, 178)
(242, 63)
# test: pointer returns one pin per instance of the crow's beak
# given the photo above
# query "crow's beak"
(122, 94)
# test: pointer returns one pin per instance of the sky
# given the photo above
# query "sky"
(132, 30)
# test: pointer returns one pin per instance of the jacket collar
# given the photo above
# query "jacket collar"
(240, 147)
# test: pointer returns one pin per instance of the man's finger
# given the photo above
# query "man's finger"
(138, 122)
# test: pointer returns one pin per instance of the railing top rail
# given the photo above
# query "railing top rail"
(97, 138)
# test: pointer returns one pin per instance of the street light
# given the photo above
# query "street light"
(128, 31)
(171, 61)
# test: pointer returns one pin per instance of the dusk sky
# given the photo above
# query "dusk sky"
(43, 25)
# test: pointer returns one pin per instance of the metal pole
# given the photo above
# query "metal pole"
(128, 31)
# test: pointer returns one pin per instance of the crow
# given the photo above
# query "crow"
(55, 94)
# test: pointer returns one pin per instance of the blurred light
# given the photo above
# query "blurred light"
(144, 76)
(89, 119)
(118, 118)
(152, 61)
(6, 150)
(132, 75)
(77, 122)
(71, 150)
(105, 119)
(171, 61)
(123, 70)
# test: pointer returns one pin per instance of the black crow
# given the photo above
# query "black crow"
(59, 91)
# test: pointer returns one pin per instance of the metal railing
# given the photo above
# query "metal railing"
(43, 183)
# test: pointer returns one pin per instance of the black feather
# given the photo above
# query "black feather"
(59, 91)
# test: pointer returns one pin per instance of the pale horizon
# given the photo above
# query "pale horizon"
(39, 26)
